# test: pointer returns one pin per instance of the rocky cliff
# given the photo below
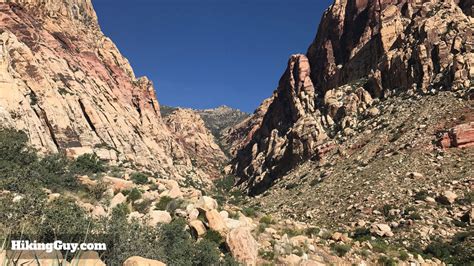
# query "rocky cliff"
(67, 85)
(190, 131)
(364, 52)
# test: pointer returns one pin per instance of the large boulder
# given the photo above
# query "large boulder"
(198, 227)
(243, 246)
(118, 184)
(381, 230)
(139, 261)
(117, 200)
(216, 222)
(159, 217)
(206, 203)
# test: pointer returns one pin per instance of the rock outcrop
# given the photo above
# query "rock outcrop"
(191, 133)
(67, 85)
(364, 52)
(460, 136)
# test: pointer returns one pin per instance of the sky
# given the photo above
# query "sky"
(206, 53)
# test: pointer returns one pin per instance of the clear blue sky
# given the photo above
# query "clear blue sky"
(206, 53)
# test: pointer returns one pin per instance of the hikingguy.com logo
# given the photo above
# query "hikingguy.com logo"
(26, 245)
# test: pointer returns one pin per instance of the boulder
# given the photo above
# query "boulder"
(99, 212)
(381, 230)
(207, 203)
(198, 227)
(243, 246)
(172, 189)
(118, 184)
(159, 217)
(447, 197)
(216, 222)
(117, 200)
(139, 261)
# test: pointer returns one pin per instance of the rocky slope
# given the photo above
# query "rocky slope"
(67, 85)
(364, 52)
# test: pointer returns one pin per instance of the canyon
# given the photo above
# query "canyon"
(362, 153)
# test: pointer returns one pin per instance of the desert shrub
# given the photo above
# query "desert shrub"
(361, 234)
(53, 171)
(134, 194)
(312, 231)
(341, 249)
(139, 178)
(291, 232)
(467, 199)
(458, 251)
(267, 219)
(88, 164)
(403, 256)
(177, 243)
(63, 219)
(174, 205)
(97, 191)
(225, 184)
(214, 236)
(249, 212)
(414, 216)
(143, 206)
(206, 252)
(422, 195)
(162, 204)
(14, 148)
(380, 246)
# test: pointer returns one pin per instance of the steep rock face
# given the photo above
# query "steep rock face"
(67, 85)
(364, 51)
(395, 43)
(190, 132)
(290, 131)
(236, 137)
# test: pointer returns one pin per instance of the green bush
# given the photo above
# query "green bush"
(361, 234)
(422, 195)
(206, 252)
(267, 219)
(98, 190)
(139, 178)
(214, 236)
(249, 212)
(63, 218)
(142, 206)
(162, 204)
(88, 164)
(458, 251)
(312, 231)
(403, 256)
(134, 194)
(341, 249)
